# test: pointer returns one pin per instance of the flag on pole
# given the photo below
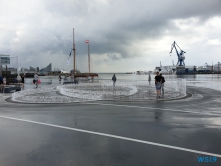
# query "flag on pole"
(69, 57)
(86, 41)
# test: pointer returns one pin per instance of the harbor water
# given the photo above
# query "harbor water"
(202, 80)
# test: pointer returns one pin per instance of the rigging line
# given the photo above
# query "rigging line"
(80, 60)
(82, 65)
(64, 62)
(77, 60)
(92, 67)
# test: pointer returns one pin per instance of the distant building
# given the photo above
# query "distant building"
(165, 69)
(4, 59)
(140, 72)
(217, 67)
(47, 69)
(190, 69)
(168, 69)
(76, 71)
(205, 69)
(32, 69)
(11, 69)
(157, 69)
(57, 69)
(24, 70)
(63, 71)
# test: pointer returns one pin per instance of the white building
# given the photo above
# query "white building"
(217, 67)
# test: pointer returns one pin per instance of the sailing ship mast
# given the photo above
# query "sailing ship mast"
(75, 74)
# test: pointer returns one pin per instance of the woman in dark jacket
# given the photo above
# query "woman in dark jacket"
(23, 80)
(158, 82)
(114, 80)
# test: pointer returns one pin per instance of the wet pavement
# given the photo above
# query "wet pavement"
(113, 133)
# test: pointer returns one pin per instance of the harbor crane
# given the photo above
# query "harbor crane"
(180, 55)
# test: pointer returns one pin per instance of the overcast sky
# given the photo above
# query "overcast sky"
(124, 35)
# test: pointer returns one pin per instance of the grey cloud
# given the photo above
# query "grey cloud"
(114, 56)
(112, 28)
(151, 24)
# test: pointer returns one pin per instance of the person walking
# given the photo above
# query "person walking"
(162, 85)
(36, 80)
(158, 81)
(114, 79)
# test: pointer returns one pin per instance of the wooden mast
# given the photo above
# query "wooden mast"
(74, 58)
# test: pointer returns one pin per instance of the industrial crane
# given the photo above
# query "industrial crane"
(180, 55)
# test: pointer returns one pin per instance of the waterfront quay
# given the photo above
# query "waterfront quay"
(175, 132)
(75, 74)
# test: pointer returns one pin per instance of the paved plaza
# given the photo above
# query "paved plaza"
(156, 133)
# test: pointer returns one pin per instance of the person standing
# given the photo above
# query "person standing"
(19, 79)
(1, 80)
(36, 79)
(23, 80)
(65, 78)
(149, 79)
(15, 80)
(59, 78)
(4, 80)
(162, 85)
(158, 81)
(114, 79)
